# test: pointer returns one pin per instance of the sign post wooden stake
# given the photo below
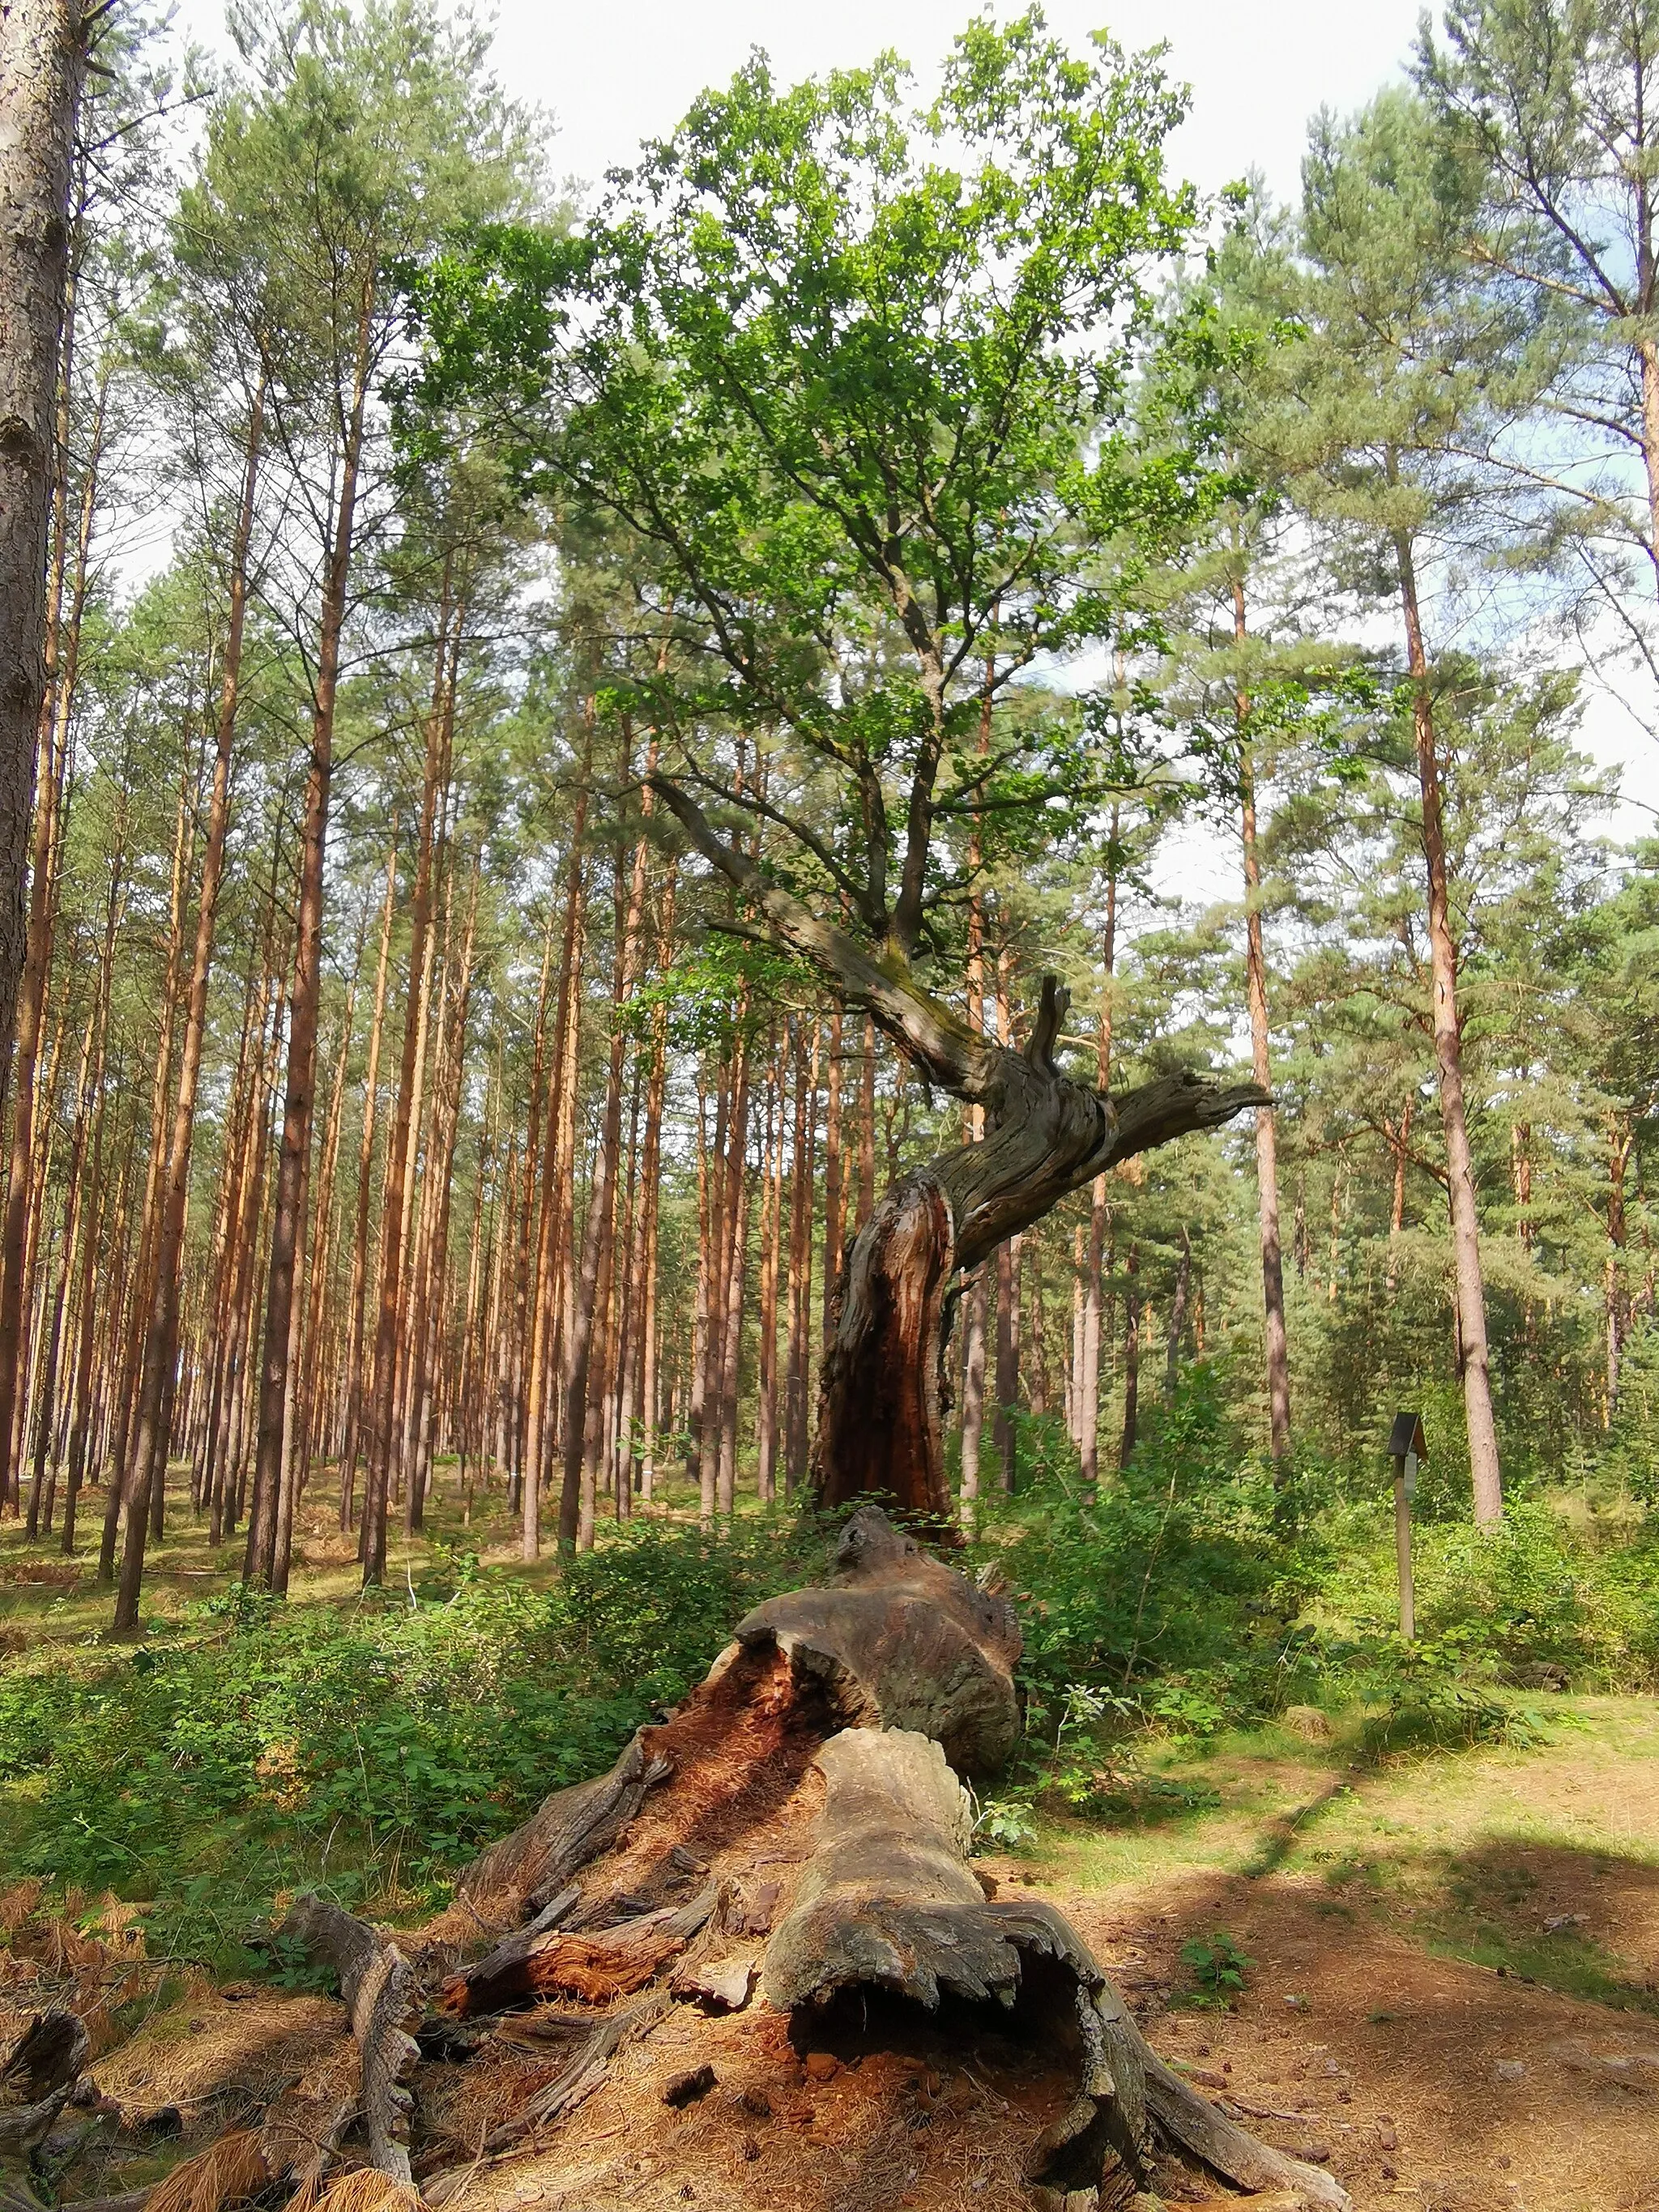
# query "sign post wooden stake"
(1406, 1448)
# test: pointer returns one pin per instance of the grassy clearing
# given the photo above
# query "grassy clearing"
(1539, 1861)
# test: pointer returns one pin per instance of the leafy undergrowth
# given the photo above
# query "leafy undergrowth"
(370, 1746)
(1193, 1597)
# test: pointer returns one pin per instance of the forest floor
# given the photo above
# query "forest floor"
(1451, 1998)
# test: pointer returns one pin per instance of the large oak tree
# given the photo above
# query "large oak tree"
(853, 378)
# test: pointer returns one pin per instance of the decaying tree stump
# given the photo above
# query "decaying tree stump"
(799, 1821)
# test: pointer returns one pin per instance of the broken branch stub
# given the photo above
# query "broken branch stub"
(570, 1828)
(37, 2075)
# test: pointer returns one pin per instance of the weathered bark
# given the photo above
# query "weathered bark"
(901, 1640)
(36, 2077)
(42, 63)
(378, 1985)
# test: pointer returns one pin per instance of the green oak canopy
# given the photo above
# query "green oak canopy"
(854, 379)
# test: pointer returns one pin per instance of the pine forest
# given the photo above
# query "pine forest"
(876, 862)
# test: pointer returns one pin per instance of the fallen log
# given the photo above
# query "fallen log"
(888, 1903)
(901, 1641)
(812, 1778)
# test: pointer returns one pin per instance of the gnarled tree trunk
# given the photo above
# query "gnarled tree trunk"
(880, 1430)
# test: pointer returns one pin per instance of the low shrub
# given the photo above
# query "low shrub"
(374, 1749)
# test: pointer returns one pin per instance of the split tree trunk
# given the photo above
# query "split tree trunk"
(800, 1820)
(880, 1426)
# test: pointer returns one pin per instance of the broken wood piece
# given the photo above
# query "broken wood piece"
(595, 1967)
(378, 1985)
(48, 2054)
(544, 2026)
(301, 2130)
(569, 1829)
(37, 2077)
(614, 1962)
(475, 1989)
(719, 1985)
(586, 2071)
(887, 1898)
(685, 2088)
(1202, 2128)
(751, 1911)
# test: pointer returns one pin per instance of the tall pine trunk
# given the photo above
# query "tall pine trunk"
(304, 996)
(1471, 1294)
(394, 1206)
(558, 1171)
(149, 1459)
(352, 1427)
(1267, 1134)
(42, 65)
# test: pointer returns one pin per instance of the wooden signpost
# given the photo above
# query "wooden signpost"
(1407, 1449)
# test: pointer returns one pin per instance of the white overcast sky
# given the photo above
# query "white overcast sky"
(626, 70)
(612, 73)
